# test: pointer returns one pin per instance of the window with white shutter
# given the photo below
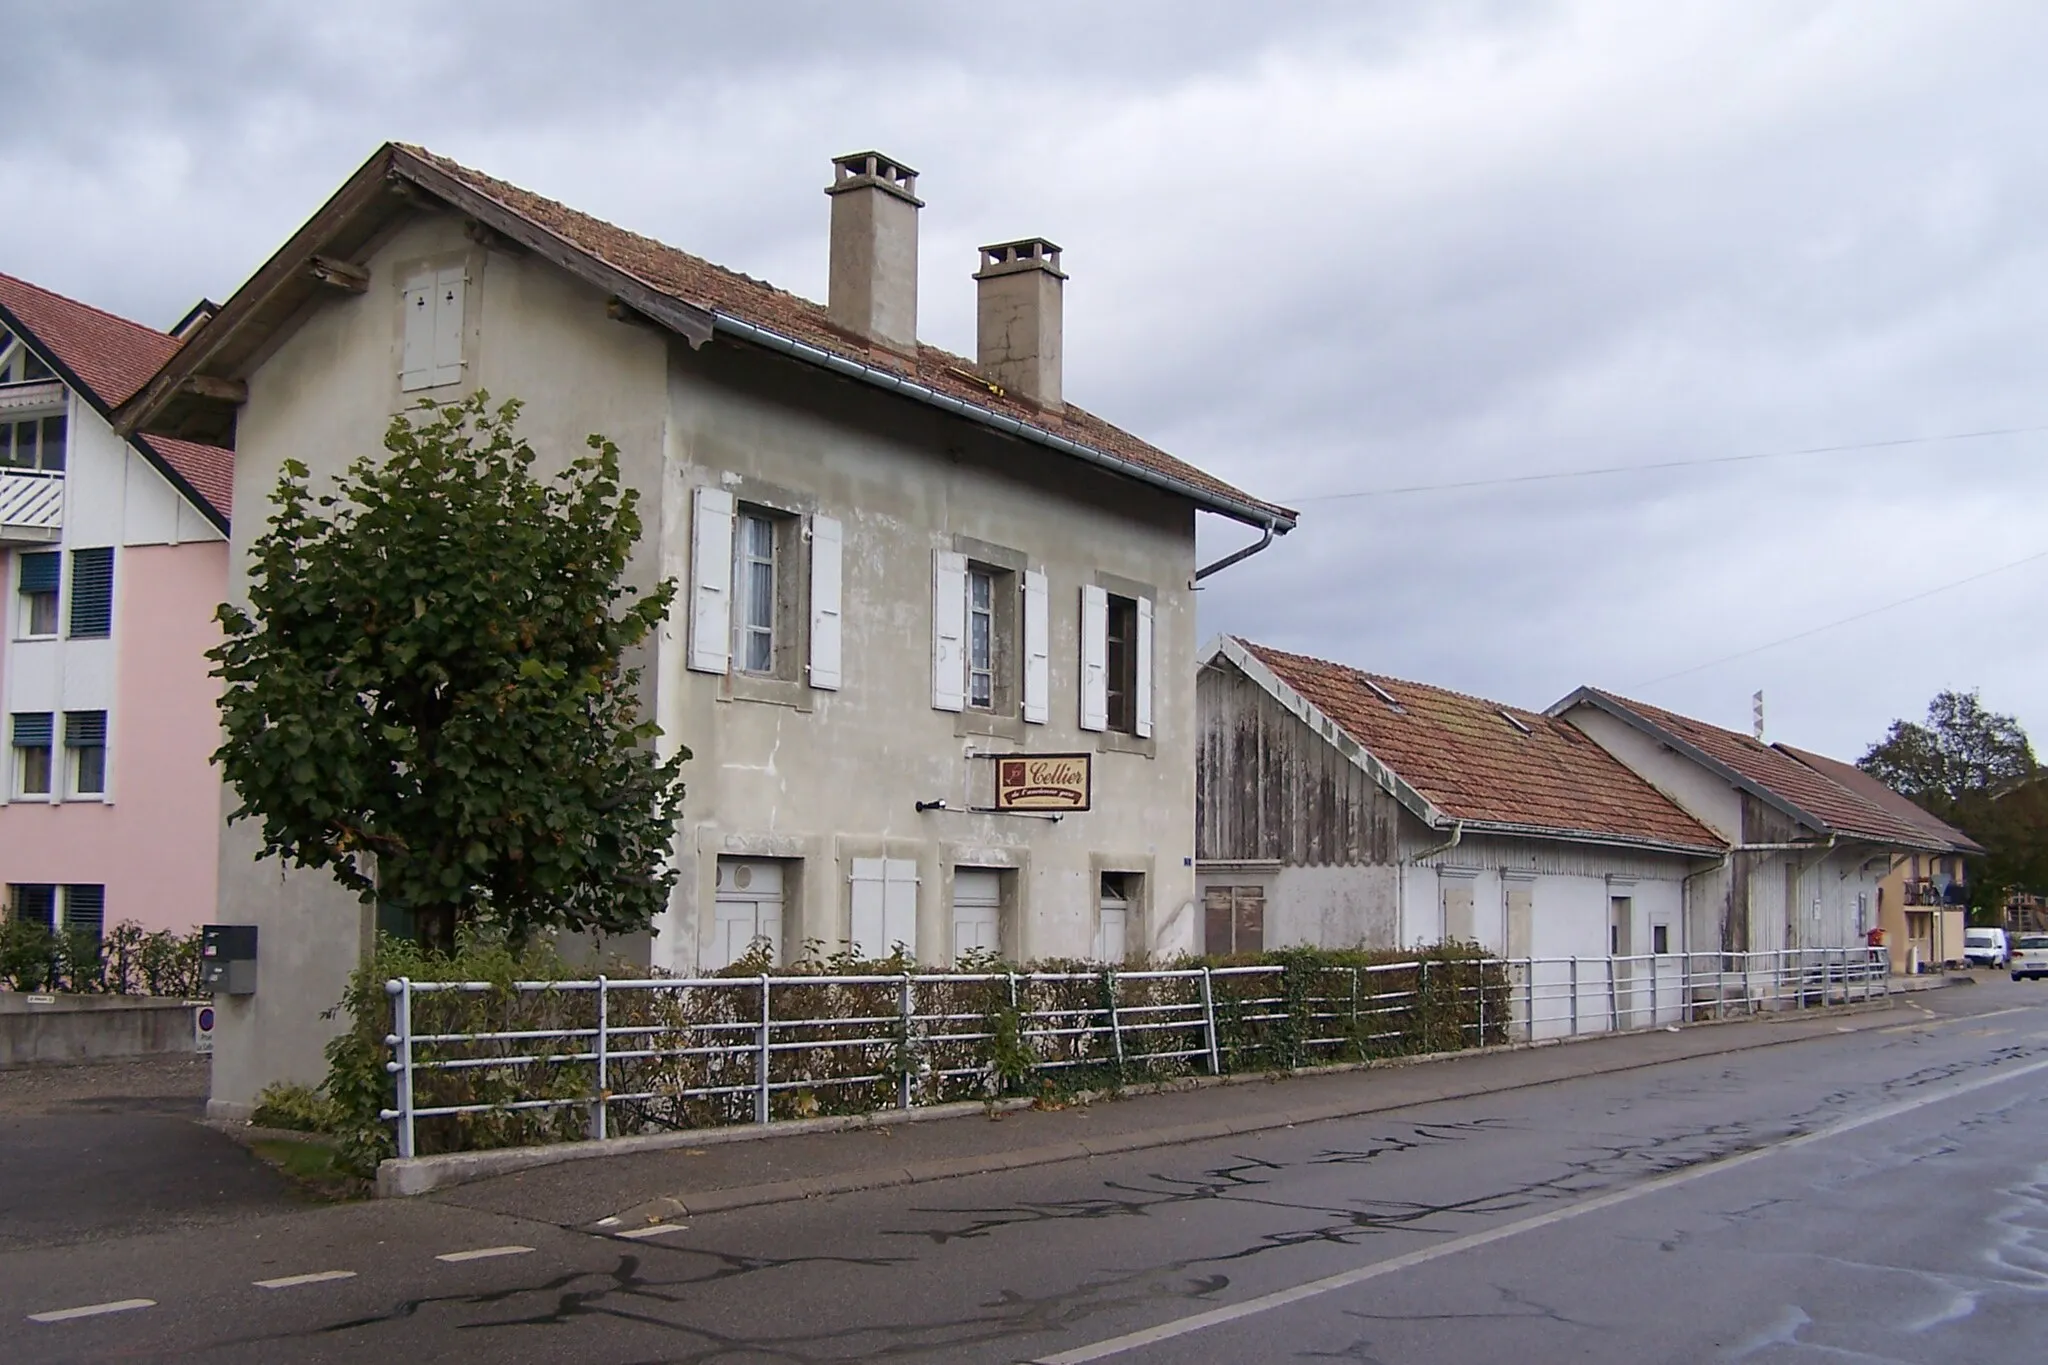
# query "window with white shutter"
(1094, 658)
(949, 631)
(416, 366)
(1141, 671)
(884, 907)
(711, 581)
(431, 353)
(451, 285)
(825, 591)
(1037, 649)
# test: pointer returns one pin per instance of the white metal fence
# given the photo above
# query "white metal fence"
(568, 1060)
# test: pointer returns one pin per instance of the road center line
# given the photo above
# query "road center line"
(294, 1281)
(482, 1253)
(91, 1310)
(1216, 1317)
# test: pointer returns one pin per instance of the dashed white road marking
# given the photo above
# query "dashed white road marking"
(91, 1310)
(294, 1281)
(1215, 1317)
(653, 1230)
(482, 1253)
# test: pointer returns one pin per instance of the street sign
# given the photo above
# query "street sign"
(202, 1029)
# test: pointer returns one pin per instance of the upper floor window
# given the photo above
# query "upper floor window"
(85, 739)
(33, 443)
(754, 596)
(988, 636)
(18, 364)
(981, 638)
(1116, 662)
(92, 593)
(31, 738)
(36, 588)
(1121, 659)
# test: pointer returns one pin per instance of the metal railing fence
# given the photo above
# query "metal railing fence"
(479, 1065)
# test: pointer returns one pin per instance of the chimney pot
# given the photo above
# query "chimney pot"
(1018, 318)
(873, 286)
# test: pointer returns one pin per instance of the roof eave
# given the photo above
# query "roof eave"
(150, 455)
(1644, 843)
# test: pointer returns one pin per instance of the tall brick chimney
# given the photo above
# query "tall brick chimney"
(1018, 318)
(873, 289)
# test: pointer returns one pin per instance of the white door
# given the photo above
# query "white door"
(977, 911)
(749, 907)
(1109, 937)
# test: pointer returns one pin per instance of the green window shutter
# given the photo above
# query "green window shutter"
(32, 729)
(40, 571)
(92, 593)
(85, 729)
(85, 910)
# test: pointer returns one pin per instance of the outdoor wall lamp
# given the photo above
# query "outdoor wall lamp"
(924, 806)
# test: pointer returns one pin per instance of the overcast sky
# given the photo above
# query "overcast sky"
(1315, 249)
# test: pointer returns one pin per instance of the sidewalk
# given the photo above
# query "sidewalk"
(652, 1187)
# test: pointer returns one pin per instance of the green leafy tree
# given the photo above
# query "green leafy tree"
(1962, 749)
(428, 698)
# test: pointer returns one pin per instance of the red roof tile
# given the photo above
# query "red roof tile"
(697, 282)
(113, 358)
(1785, 777)
(1849, 776)
(1472, 762)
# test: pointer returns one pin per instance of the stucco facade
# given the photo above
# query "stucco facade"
(131, 835)
(812, 784)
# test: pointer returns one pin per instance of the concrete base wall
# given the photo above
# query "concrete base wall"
(91, 1028)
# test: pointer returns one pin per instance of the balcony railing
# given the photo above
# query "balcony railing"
(31, 506)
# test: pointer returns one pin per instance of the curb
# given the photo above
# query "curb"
(670, 1207)
(408, 1177)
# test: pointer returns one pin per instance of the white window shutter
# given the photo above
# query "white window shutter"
(899, 907)
(450, 285)
(825, 559)
(416, 365)
(711, 581)
(1037, 649)
(1094, 658)
(1143, 682)
(869, 920)
(949, 629)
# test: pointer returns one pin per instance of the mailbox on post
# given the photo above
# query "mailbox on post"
(227, 959)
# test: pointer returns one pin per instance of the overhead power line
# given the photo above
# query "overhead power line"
(1551, 476)
(1847, 620)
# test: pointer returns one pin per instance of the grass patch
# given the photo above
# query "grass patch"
(311, 1166)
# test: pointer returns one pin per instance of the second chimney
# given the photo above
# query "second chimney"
(1018, 318)
(873, 289)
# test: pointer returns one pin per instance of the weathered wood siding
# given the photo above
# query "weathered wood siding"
(1266, 786)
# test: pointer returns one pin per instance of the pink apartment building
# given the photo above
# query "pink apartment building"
(113, 555)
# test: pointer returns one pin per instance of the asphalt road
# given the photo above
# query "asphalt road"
(1878, 1195)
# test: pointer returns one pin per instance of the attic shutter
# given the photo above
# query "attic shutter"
(40, 571)
(1142, 684)
(1094, 658)
(451, 283)
(92, 593)
(416, 366)
(949, 628)
(711, 581)
(1037, 649)
(825, 556)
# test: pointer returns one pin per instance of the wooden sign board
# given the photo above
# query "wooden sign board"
(1056, 782)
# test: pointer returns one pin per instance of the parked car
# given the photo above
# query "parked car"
(2029, 956)
(1984, 947)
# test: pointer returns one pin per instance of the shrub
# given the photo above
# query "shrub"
(300, 1108)
(126, 961)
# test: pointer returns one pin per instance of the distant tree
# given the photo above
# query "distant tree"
(1975, 769)
(427, 697)
(1962, 749)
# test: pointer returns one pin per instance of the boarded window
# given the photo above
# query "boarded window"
(1233, 920)
(1458, 917)
(1521, 919)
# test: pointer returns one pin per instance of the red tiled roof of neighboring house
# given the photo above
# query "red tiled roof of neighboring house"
(111, 358)
(1784, 777)
(695, 281)
(1877, 793)
(1481, 761)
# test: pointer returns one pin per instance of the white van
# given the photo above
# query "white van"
(1984, 947)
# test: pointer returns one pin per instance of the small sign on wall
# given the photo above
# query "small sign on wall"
(202, 1028)
(1054, 782)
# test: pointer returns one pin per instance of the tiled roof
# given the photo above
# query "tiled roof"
(112, 358)
(1472, 762)
(1784, 777)
(1849, 776)
(697, 282)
